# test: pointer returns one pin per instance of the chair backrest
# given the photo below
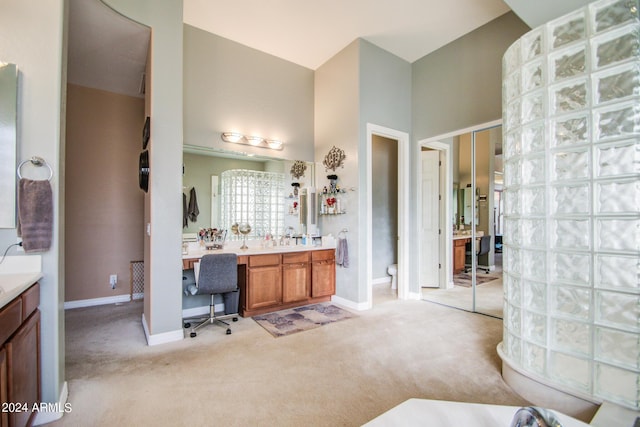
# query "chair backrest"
(218, 274)
(485, 245)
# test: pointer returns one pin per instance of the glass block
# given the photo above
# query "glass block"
(617, 385)
(515, 348)
(512, 172)
(513, 319)
(533, 357)
(571, 336)
(617, 348)
(567, 29)
(533, 201)
(513, 289)
(512, 115)
(533, 170)
(511, 201)
(570, 234)
(512, 264)
(618, 235)
(616, 46)
(568, 165)
(608, 14)
(570, 130)
(616, 84)
(570, 199)
(620, 197)
(617, 272)
(535, 296)
(532, 44)
(570, 370)
(619, 158)
(512, 144)
(568, 63)
(533, 233)
(532, 107)
(511, 59)
(532, 76)
(569, 96)
(512, 232)
(571, 268)
(533, 138)
(534, 327)
(571, 302)
(511, 87)
(619, 310)
(534, 264)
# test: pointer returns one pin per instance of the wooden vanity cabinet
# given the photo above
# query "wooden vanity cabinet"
(20, 357)
(323, 273)
(296, 277)
(459, 252)
(264, 278)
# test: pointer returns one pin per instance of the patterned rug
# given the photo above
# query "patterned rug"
(464, 279)
(292, 320)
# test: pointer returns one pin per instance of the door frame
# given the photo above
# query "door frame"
(403, 209)
(446, 223)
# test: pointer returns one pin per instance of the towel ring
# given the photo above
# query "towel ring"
(36, 161)
(343, 232)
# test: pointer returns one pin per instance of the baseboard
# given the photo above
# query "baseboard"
(54, 411)
(201, 311)
(381, 280)
(163, 338)
(97, 301)
(359, 306)
(414, 296)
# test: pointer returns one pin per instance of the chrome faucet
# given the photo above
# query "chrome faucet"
(289, 233)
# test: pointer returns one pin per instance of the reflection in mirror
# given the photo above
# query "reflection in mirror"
(8, 105)
(203, 170)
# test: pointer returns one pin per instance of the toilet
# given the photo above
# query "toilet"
(392, 270)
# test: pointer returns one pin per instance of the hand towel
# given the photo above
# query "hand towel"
(185, 212)
(342, 252)
(193, 205)
(35, 214)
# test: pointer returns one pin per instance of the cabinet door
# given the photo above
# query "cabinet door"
(264, 287)
(4, 416)
(295, 282)
(323, 278)
(23, 355)
(458, 256)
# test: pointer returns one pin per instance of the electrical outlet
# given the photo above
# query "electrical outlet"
(113, 279)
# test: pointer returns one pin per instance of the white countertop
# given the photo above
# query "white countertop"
(17, 274)
(424, 412)
(196, 251)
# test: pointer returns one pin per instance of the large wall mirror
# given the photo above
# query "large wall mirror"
(204, 172)
(8, 114)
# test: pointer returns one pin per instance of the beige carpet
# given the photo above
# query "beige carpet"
(489, 297)
(342, 374)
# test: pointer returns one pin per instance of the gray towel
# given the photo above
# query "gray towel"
(342, 252)
(35, 214)
(185, 215)
(193, 205)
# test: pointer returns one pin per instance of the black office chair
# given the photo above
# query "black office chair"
(483, 249)
(218, 275)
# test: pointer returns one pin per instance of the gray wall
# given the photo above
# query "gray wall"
(541, 11)
(231, 87)
(384, 190)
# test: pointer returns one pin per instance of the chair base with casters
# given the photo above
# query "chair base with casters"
(484, 248)
(213, 317)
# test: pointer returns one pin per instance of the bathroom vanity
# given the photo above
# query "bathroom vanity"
(275, 278)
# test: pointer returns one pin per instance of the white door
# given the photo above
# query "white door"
(429, 225)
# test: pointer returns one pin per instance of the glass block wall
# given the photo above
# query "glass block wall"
(571, 115)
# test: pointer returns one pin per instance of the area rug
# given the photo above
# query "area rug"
(464, 279)
(292, 320)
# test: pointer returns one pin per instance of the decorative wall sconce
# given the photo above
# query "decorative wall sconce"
(334, 159)
(297, 169)
(255, 141)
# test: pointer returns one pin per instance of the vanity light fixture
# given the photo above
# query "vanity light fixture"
(255, 141)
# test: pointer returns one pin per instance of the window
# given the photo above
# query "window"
(253, 197)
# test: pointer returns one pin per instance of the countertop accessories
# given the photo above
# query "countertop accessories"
(298, 168)
(254, 141)
(36, 161)
(334, 159)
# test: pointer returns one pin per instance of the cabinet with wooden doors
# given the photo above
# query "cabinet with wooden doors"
(459, 251)
(296, 277)
(264, 281)
(323, 273)
(20, 358)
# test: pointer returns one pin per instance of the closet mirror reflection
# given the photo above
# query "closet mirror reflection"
(8, 115)
(474, 282)
(204, 173)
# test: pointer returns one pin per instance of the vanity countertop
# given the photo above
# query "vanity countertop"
(196, 251)
(17, 274)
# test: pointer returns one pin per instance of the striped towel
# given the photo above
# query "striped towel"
(35, 214)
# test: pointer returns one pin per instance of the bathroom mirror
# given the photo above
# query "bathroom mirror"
(8, 114)
(202, 171)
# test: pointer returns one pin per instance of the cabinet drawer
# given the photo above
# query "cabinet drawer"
(294, 257)
(30, 301)
(262, 260)
(322, 255)
(10, 319)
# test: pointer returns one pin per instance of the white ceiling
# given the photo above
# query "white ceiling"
(108, 51)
